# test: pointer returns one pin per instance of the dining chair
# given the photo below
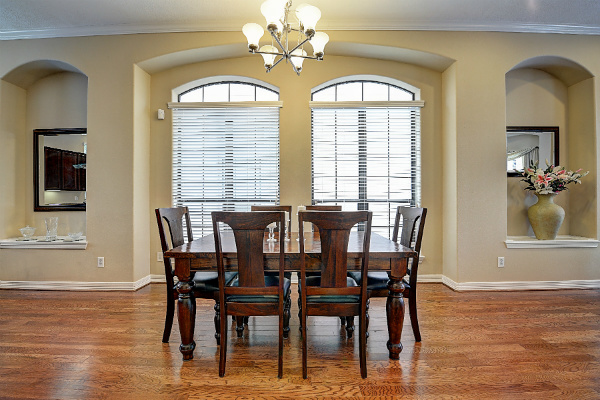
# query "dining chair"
(206, 284)
(322, 207)
(413, 222)
(252, 292)
(333, 292)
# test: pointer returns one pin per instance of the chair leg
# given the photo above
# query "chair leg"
(300, 313)
(246, 319)
(286, 315)
(343, 321)
(217, 323)
(367, 323)
(304, 344)
(364, 320)
(412, 310)
(223, 346)
(169, 318)
(349, 326)
(282, 334)
(239, 326)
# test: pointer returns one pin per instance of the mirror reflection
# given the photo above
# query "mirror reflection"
(525, 145)
(60, 169)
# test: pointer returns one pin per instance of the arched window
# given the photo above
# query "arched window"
(225, 148)
(366, 146)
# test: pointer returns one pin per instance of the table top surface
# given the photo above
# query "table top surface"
(204, 247)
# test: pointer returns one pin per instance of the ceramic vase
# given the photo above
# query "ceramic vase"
(545, 217)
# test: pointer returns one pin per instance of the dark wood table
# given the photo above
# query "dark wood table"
(384, 255)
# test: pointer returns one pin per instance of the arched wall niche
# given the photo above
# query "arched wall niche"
(27, 74)
(555, 91)
(42, 94)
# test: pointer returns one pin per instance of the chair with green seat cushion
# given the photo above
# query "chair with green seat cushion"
(252, 293)
(333, 293)
(413, 222)
(206, 284)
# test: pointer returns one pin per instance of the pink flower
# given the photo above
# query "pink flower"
(543, 179)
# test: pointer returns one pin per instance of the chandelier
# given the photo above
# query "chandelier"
(290, 48)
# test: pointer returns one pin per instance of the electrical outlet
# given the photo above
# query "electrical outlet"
(500, 262)
(159, 256)
(100, 262)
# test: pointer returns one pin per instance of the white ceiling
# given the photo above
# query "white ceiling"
(21, 19)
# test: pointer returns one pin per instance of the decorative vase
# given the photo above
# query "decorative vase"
(545, 217)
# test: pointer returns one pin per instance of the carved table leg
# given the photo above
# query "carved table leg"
(186, 315)
(395, 315)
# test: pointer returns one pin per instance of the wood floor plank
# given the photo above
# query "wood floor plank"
(476, 345)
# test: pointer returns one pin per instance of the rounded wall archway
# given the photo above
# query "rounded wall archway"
(555, 92)
(41, 94)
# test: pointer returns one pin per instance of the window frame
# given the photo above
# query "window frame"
(199, 219)
(362, 190)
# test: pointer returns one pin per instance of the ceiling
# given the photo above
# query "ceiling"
(23, 19)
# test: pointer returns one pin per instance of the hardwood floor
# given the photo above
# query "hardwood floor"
(476, 345)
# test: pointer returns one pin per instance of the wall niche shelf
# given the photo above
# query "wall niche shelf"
(62, 243)
(561, 241)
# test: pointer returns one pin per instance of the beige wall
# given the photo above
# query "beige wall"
(463, 81)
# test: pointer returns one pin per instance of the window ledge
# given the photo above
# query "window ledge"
(568, 241)
(62, 243)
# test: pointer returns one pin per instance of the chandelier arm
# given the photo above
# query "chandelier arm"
(276, 62)
(297, 47)
(266, 52)
(281, 46)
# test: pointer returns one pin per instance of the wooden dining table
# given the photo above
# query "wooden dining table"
(199, 255)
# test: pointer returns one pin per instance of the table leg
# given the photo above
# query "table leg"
(186, 316)
(395, 312)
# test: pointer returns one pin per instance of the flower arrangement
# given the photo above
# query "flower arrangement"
(550, 180)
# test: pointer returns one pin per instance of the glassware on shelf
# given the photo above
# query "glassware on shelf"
(75, 235)
(27, 232)
(51, 228)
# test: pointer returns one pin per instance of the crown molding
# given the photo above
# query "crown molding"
(383, 26)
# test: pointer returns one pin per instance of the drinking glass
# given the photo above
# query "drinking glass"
(271, 232)
(51, 227)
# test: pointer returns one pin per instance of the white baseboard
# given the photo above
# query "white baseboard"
(520, 285)
(83, 286)
(424, 278)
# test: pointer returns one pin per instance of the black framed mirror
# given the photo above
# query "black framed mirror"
(526, 144)
(59, 169)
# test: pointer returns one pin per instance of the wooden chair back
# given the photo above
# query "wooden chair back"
(321, 207)
(413, 222)
(173, 218)
(248, 232)
(334, 228)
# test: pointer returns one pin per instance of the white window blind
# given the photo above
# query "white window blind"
(366, 159)
(224, 159)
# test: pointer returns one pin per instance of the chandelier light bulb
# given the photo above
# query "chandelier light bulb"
(297, 61)
(318, 42)
(270, 57)
(308, 16)
(273, 11)
(253, 33)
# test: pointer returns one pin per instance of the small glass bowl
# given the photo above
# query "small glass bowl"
(27, 232)
(75, 235)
